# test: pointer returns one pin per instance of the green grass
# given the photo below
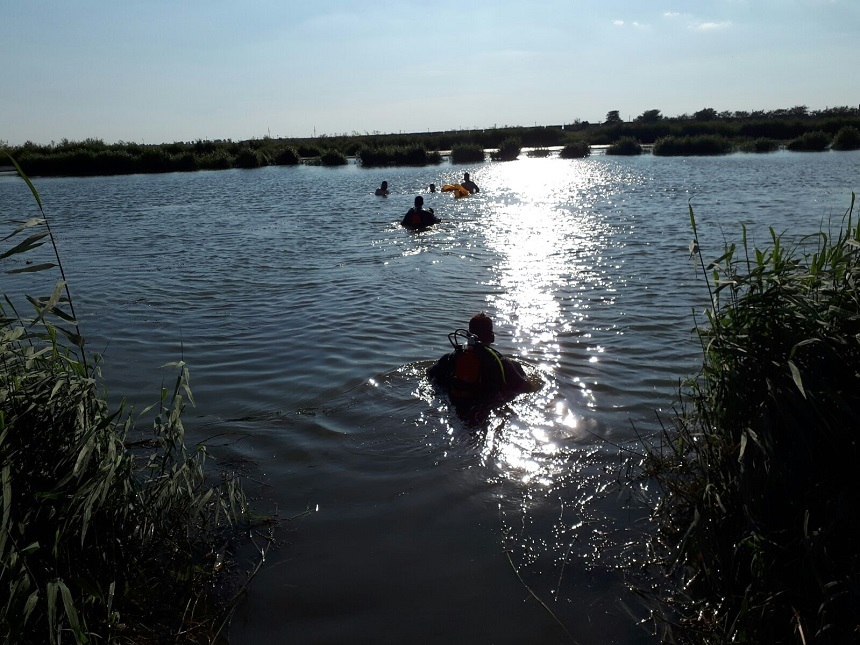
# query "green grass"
(105, 527)
(758, 518)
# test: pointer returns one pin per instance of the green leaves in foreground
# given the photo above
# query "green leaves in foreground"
(759, 518)
(101, 539)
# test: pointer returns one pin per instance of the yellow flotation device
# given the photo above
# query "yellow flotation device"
(457, 189)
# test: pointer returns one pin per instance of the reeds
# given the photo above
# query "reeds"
(467, 153)
(410, 155)
(758, 514)
(508, 151)
(848, 138)
(701, 145)
(575, 150)
(625, 146)
(817, 141)
(102, 539)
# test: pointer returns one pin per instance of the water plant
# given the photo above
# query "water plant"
(538, 152)
(757, 512)
(333, 158)
(508, 151)
(575, 150)
(108, 532)
(701, 145)
(627, 146)
(816, 141)
(762, 144)
(848, 138)
(467, 153)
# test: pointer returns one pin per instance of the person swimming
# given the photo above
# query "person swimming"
(469, 185)
(418, 217)
(476, 373)
(382, 191)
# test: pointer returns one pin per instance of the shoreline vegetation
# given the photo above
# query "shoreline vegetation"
(110, 531)
(706, 132)
(756, 513)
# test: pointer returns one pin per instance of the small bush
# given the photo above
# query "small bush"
(467, 153)
(575, 150)
(627, 146)
(248, 158)
(810, 142)
(848, 138)
(286, 157)
(333, 158)
(508, 151)
(702, 145)
(761, 144)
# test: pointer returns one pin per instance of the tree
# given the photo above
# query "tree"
(612, 117)
(649, 116)
(705, 114)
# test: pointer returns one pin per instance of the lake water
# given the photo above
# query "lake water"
(307, 317)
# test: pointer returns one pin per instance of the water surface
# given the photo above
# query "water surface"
(307, 316)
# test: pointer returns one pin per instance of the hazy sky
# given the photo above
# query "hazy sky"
(158, 71)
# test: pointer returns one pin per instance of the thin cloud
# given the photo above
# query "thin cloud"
(711, 26)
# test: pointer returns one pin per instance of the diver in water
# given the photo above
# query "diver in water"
(475, 373)
(417, 217)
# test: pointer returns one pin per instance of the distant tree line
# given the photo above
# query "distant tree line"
(710, 131)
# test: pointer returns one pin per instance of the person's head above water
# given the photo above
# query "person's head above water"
(482, 326)
(419, 201)
(384, 185)
(466, 176)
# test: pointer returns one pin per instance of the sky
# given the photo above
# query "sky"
(159, 71)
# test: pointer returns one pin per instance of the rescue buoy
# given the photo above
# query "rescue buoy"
(457, 189)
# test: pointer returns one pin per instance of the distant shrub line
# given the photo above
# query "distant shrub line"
(697, 136)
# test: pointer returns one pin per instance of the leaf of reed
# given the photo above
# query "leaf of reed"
(31, 242)
(33, 268)
(30, 223)
(69, 605)
(27, 179)
(30, 605)
(795, 374)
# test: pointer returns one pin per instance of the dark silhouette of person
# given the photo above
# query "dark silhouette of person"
(382, 191)
(418, 217)
(469, 185)
(432, 188)
(476, 373)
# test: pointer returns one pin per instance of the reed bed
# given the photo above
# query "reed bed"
(110, 532)
(508, 151)
(625, 146)
(575, 150)
(816, 141)
(758, 518)
(467, 153)
(701, 145)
